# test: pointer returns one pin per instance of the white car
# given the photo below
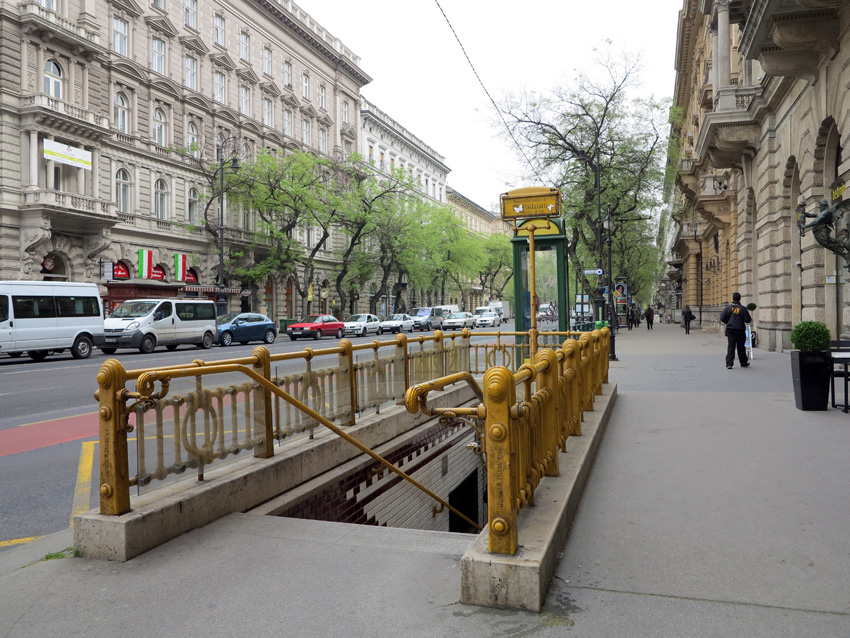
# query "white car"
(361, 325)
(398, 323)
(459, 321)
(487, 320)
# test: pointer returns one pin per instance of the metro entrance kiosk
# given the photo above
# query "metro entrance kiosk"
(537, 228)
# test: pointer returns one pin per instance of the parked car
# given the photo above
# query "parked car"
(398, 323)
(361, 325)
(317, 326)
(148, 323)
(459, 321)
(244, 327)
(427, 318)
(487, 320)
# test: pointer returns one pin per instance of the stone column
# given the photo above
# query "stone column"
(34, 159)
(724, 70)
(50, 182)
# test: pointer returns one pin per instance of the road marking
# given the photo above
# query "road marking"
(61, 418)
(82, 490)
(19, 541)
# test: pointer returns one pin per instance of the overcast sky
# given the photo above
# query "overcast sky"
(421, 79)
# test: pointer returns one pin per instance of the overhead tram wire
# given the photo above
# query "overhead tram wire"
(492, 101)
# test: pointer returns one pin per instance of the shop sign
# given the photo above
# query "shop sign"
(120, 270)
(157, 272)
(191, 276)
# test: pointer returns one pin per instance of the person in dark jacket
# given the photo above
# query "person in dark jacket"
(650, 316)
(687, 317)
(736, 317)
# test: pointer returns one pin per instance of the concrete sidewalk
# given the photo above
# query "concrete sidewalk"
(714, 508)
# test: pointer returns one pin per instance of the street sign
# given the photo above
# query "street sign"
(593, 271)
(527, 203)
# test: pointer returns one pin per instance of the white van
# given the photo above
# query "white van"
(448, 309)
(148, 323)
(40, 317)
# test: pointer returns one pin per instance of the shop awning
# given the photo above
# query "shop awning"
(210, 289)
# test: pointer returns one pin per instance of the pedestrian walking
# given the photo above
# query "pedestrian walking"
(736, 317)
(650, 315)
(687, 317)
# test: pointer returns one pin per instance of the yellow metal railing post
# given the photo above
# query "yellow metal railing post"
(349, 378)
(401, 375)
(114, 468)
(502, 467)
(572, 363)
(552, 413)
(263, 404)
(606, 346)
(586, 372)
(438, 369)
(596, 339)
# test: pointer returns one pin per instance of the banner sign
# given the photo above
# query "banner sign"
(157, 272)
(180, 268)
(191, 277)
(145, 264)
(66, 154)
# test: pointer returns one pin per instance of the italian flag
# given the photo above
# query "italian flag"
(180, 267)
(145, 264)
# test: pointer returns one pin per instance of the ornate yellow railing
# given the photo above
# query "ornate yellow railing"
(525, 417)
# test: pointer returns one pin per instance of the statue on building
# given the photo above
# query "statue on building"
(822, 224)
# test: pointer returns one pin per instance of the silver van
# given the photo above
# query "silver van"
(427, 318)
(148, 323)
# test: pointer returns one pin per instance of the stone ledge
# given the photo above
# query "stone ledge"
(521, 581)
(166, 513)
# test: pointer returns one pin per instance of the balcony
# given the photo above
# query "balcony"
(733, 128)
(49, 112)
(49, 25)
(70, 212)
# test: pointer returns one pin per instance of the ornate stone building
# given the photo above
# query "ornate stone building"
(109, 107)
(761, 88)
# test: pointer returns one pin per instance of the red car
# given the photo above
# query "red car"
(317, 326)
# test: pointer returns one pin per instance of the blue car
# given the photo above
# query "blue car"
(244, 327)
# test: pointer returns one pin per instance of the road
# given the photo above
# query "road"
(49, 427)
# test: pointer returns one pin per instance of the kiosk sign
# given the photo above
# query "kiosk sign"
(528, 203)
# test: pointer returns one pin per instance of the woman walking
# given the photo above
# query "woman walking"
(687, 317)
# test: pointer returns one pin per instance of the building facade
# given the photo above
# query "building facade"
(112, 107)
(764, 118)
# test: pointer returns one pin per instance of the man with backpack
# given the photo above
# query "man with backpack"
(736, 317)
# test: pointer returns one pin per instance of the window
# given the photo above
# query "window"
(33, 307)
(287, 122)
(191, 13)
(322, 96)
(191, 73)
(157, 55)
(160, 199)
(347, 148)
(159, 127)
(193, 206)
(245, 47)
(53, 79)
(323, 140)
(305, 132)
(244, 100)
(267, 61)
(392, 165)
(218, 29)
(218, 87)
(48, 4)
(287, 74)
(121, 113)
(247, 219)
(192, 138)
(4, 308)
(122, 191)
(371, 153)
(345, 111)
(159, 4)
(77, 307)
(268, 113)
(120, 33)
(219, 146)
(246, 152)
(382, 160)
(305, 86)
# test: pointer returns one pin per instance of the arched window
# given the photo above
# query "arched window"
(193, 206)
(122, 191)
(53, 79)
(160, 199)
(246, 152)
(121, 113)
(159, 127)
(219, 146)
(192, 138)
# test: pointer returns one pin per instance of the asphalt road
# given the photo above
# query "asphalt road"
(48, 428)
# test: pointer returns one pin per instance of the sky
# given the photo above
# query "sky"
(421, 77)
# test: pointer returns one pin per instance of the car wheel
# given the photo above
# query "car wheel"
(148, 344)
(171, 347)
(270, 336)
(37, 355)
(14, 355)
(380, 330)
(226, 339)
(363, 332)
(108, 350)
(317, 335)
(411, 330)
(81, 348)
(206, 344)
(339, 334)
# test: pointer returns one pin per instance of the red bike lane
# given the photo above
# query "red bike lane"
(46, 433)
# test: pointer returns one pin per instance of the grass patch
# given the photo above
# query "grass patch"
(68, 552)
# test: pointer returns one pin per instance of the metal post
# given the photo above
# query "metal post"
(612, 353)
(221, 297)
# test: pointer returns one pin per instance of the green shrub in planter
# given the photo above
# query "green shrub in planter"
(810, 336)
(751, 306)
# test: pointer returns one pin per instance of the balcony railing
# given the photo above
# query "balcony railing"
(42, 100)
(34, 11)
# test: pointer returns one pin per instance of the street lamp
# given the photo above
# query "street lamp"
(223, 161)
(612, 312)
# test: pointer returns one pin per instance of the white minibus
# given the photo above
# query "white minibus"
(148, 323)
(40, 317)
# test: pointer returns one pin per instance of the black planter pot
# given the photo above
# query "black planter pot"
(811, 373)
